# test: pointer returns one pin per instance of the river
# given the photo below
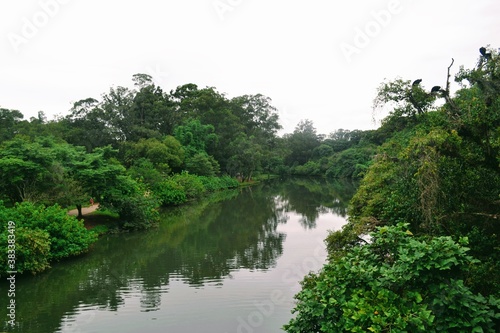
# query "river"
(229, 263)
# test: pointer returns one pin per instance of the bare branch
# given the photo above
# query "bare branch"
(447, 91)
(448, 78)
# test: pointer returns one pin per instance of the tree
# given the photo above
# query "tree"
(441, 174)
(88, 125)
(102, 176)
(246, 158)
(8, 121)
(152, 114)
(302, 142)
(258, 117)
(404, 99)
(165, 155)
(197, 138)
(202, 164)
(25, 168)
(116, 106)
(342, 139)
(209, 107)
(476, 109)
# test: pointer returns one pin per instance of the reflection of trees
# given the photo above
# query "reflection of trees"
(242, 234)
(312, 197)
(200, 244)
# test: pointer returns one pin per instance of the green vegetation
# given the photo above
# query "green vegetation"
(432, 187)
(396, 283)
(41, 235)
(429, 182)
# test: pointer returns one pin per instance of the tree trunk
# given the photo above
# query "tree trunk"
(79, 208)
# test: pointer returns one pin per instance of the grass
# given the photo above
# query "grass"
(103, 221)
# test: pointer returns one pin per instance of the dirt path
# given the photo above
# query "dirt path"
(85, 210)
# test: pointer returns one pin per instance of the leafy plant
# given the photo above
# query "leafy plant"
(396, 283)
(42, 234)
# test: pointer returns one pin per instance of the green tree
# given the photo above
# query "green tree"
(165, 155)
(8, 121)
(258, 117)
(152, 112)
(197, 138)
(209, 107)
(246, 158)
(404, 98)
(116, 106)
(441, 173)
(87, 125)
(301, 143)
(202, 164)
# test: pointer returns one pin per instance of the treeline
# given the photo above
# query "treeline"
(199, 131)
(430, 202)
(134, 150)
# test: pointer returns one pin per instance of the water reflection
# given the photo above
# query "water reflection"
(199, 245)
(313, 197)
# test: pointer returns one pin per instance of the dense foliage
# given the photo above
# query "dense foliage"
(437, 169)
(434, 168)
(41, 235)
(396, 283)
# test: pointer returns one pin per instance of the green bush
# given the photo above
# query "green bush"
(170, 193)
(310, 168)
(396, 283)
(138, 212)
(32, 250)
(351, 163)
(43, 234)
(192, 185)
(202, 164)
(181, 187)
(213, 184)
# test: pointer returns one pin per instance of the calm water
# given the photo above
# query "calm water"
(230, 263)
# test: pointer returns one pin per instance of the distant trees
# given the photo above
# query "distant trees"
(8, 120)
(302, 142)
(341, 154)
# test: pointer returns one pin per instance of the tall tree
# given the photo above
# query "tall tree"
(258, 117)
(8, 121)
(87, 125)
(302, 142)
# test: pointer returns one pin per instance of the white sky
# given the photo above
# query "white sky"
(56, 52)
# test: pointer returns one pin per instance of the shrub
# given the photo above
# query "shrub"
(42, 235)
(396, 283)
(351, 163)
(170, 193)
(138, 212)
(213, 184)
(181, 187)
(310, 168)
(32, 251)
(192, 185)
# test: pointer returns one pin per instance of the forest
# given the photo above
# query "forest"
(420, 251)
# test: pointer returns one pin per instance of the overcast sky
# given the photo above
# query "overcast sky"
(320, 59)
